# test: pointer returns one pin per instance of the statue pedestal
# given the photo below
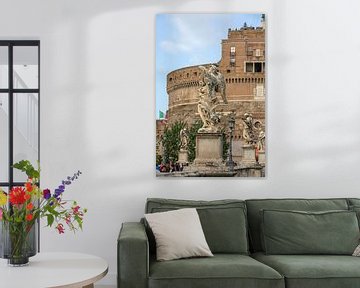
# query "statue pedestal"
(262, 157)
(248, 154)
(209, 149)
(183, 156)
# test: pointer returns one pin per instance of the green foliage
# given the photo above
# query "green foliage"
(226, 144)
(28, 168)
(171, 141)
(192, 140)
(158, 159)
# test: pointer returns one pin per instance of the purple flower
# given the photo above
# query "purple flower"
(68, 181)
(46, 194)
(58, 192)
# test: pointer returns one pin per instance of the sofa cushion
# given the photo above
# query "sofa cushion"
(254, 216)
(356, 209)
(223, 221)
(178, 234)
(313, 271)
(298, 232)
(353, 201)
(222, 270)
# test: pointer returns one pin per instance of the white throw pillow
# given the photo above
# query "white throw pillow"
(178, 234)
(357, 251)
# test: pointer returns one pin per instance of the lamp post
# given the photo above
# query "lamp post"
(230, 163)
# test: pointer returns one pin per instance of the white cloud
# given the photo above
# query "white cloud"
(174, 46)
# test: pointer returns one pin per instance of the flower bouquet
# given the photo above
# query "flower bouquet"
(21, 208)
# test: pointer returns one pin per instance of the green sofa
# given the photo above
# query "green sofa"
(246, 252)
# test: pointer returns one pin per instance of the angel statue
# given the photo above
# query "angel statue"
(252, 132)
(184, 139)
(211, 82)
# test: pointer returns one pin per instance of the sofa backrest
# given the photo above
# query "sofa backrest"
(256, 205)
(223, 221)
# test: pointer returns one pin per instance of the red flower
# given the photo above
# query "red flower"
(27, 196)
(29, 217)
(60, 228)
(17, 196)
(29, 206)
(29, 187)
(75, 209)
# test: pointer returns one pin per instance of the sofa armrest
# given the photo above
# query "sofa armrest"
(133, 256)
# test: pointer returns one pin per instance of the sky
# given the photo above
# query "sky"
(191, 39)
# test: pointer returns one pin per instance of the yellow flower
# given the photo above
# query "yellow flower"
(3, 198)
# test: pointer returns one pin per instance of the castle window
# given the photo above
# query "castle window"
(249, 67)
(254, 67)
(258, 67)
(232, 56)
(187, 74)
(259, 91)
(195, 73)
(170, 79)
(257, 52)
(228, 71)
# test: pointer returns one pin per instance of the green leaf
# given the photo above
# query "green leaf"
(50, 219)
(28, 168)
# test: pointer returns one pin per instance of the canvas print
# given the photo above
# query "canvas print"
(210, 95)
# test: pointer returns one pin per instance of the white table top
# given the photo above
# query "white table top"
(45, 270)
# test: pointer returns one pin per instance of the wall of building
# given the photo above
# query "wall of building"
(98, 107)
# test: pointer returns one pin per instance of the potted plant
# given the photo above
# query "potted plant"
(21, 208)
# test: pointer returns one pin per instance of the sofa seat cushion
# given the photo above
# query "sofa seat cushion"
(313, 271)
(222, 270)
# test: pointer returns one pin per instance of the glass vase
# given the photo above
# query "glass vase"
(18, 242)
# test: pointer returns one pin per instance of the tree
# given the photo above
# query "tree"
(192, 140)
(171, 141)
(158, 159)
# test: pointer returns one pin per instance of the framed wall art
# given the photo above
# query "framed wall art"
(210, 95)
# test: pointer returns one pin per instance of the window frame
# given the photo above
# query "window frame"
(10, 91)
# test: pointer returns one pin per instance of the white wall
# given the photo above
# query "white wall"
(98, 110)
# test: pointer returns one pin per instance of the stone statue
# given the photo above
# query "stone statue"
(253, 133)
(184, 139)
(211, 82)
(261, 142)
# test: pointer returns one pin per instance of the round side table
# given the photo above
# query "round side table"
(50, 270)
